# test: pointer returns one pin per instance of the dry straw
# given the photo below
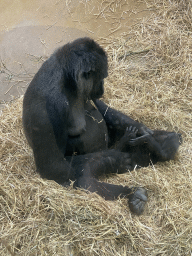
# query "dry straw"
(149, 79)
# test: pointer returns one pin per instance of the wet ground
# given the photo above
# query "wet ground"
(31, 30)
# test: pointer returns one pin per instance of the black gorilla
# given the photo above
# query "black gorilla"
(146, 149)
(69, 134)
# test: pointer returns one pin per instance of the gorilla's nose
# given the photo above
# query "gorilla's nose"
(76, 131)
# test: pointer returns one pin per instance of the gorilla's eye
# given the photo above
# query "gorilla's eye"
(87, 75)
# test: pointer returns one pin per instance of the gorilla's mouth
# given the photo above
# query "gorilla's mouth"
(74, 137)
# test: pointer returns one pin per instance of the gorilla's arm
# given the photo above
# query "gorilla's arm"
(49, 158)
(117, 122)
(44, 121)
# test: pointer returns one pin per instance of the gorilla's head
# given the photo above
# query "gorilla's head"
(85, 67)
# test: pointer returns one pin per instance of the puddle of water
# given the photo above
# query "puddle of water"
(35, 28)
(99, 18)
(22, 52)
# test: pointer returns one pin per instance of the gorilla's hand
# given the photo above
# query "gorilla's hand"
(144, 130)
(104, 162)
(130, 133)
(137, 200)
(123, 162)
(119, 162)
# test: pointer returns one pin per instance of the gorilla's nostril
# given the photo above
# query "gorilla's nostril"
(75, 131)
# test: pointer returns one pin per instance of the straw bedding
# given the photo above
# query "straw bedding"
(150, 75)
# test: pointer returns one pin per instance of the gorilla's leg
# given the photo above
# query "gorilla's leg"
(137, 197)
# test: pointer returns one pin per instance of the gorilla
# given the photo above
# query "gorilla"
(77, 137)
(146, 149)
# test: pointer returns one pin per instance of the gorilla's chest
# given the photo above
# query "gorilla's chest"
(94, 139)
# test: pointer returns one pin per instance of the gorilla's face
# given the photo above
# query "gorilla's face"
(97, 90)
(90, 86)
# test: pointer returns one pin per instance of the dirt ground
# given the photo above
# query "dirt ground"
(31, 30)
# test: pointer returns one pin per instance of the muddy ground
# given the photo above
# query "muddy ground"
(31, 30)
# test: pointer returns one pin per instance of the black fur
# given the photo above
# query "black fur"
(149, 149)
(69, 135)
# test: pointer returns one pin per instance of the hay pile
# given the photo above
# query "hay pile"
(150, 79)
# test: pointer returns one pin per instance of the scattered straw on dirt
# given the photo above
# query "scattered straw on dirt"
(150, 79)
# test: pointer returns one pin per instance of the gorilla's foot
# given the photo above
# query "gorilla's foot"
(137, 200)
